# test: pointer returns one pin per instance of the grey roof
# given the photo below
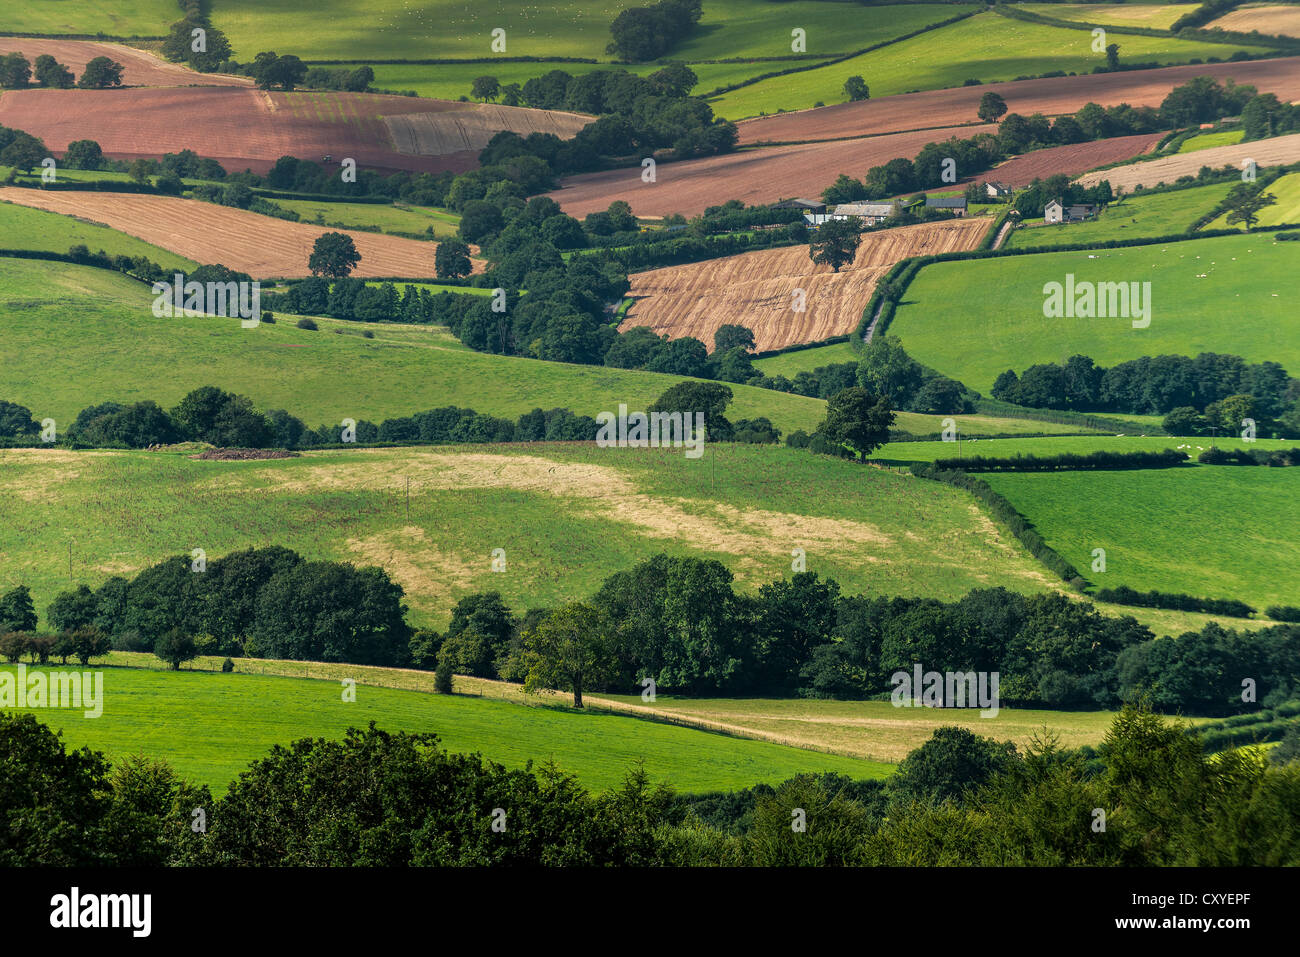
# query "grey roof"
(794, 203)
(865, 209)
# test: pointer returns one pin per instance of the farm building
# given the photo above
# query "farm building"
(870, 213)
(809, 206)
(997, 190)
(955, 203)
(1055, 212)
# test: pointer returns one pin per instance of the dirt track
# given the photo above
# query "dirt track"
(261, 246)
(757, 289)
(753, 176)
(141, 68)
(1283, 149)
(1050, 97)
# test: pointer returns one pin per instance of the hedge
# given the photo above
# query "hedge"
(1123, 595)
(1283, 612)
(1277, 459)
(1006, 513)
(1066, 462)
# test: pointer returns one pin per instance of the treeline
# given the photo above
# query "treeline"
(959, 799)
(16, 73)
(1210, 392)
(1275, 458)
(1065, 461)
(1123, 595)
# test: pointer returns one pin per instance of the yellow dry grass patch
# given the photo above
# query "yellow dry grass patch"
(427, 573)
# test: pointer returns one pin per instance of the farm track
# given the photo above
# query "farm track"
(141, 68)
(261, 246)
(1166, 169)
(757, 288)
(1051, 97)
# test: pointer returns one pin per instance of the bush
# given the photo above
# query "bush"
(306, 324)
(442, 677)
(1283, 612)
(227, 666)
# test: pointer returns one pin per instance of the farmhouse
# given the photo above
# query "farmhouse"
(997, 190)
(955, 203)
(870, 213)
(1055, 212)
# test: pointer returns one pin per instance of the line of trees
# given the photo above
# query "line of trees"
(16, 72)
(959, 799)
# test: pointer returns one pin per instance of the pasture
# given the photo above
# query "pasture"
(1211, 531)
(986, 47)
(89, 335)
(1156, 16)
(123, 19)
(1154, 214)
(568, 515)
(395, 218)
(209, 726)
(1286, 210)
(1207, 140)
(26, 228)
(1231, 294)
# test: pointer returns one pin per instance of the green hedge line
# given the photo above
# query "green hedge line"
(1067, 462)
(1174, 601)
(1006, 513)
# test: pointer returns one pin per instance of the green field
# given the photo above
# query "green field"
(986, 47)
(1155, 16)
(389, 29)
(789, 364)
(1214, 531)
(210, 726)
(1058, 445)
(122, 18)
(28, 228)
(1207, 140)
(389, 219)
(89, 335)
(568, 516)
(1286, 210)
(1157, 214)
(1244, 305)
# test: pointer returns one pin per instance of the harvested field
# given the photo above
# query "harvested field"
(250, 129)
(1070, 160)
(261, 246)
(141, 67)
(1051, 97)
(436, 134)
(753, 176)
(1281, 149)
(757, 288)
(1272, 19)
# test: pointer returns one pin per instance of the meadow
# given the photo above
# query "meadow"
(209, 726)
(1141, 216)
(1231, 294)
(89, 335)
(27, 228)
(1212, 531)
(1285, 210)
(124, 18)
(390, 219)
(567, 514)
(1157, 16)
(1206, 141)
(389, 29)
(987, 47)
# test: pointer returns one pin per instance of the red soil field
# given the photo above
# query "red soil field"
(757, 289)
(141, 68)
(247, 128)
(1070, 160)
(261, 246)
(1052, 96)
(753, 176)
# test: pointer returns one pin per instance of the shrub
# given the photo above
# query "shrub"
(306, 324)
(442, 681)
(1283, 612)
(227, 666)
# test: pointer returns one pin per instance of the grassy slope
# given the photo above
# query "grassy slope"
(125, 18)
(568, 515)
(1157, 531)
(1286, 210)
(1156, 16)
(186, 719)
(987, 47)
(1159, 214)
(407, 219)
(1245, 306)
(89, 335)
(1207, 140)
(21, 226)
(391, 29)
